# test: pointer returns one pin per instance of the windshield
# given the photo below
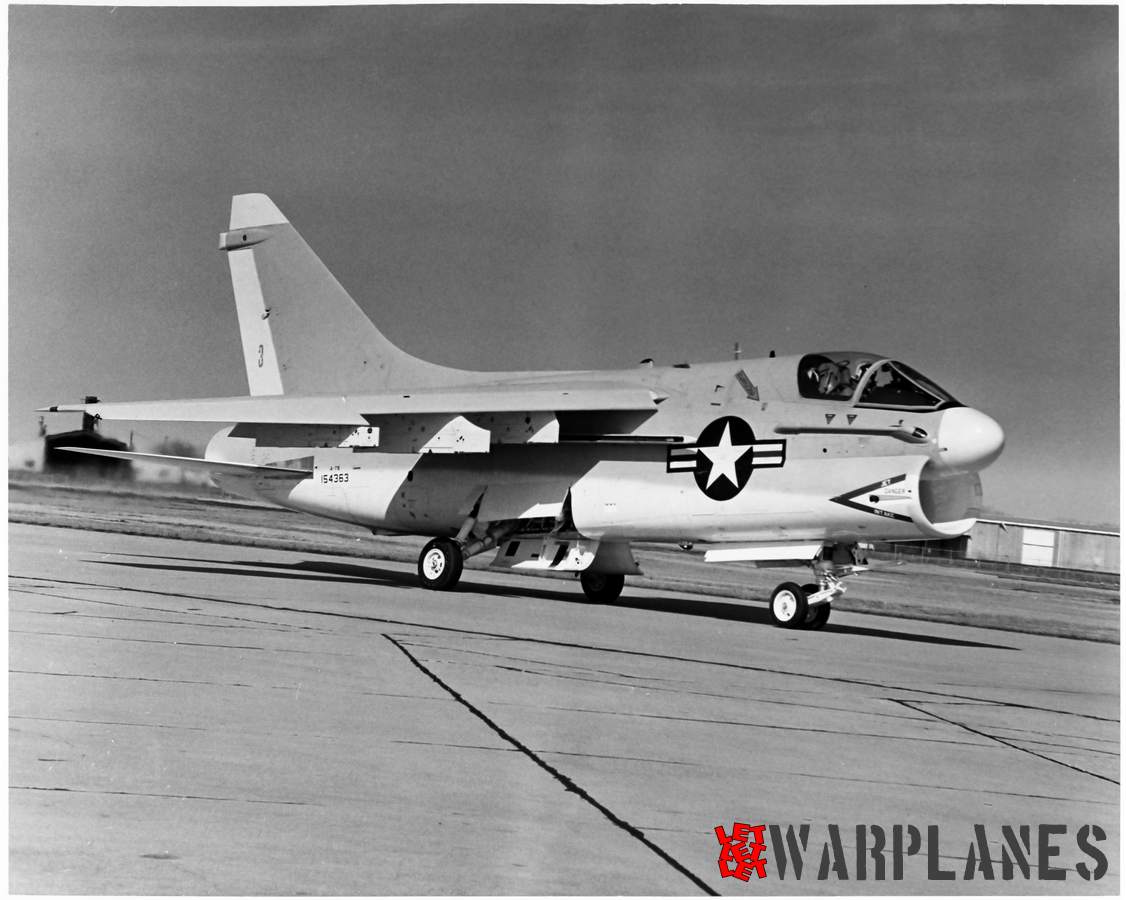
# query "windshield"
(868, 380)
(898, 385)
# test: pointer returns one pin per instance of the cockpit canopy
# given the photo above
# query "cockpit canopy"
(865, 379)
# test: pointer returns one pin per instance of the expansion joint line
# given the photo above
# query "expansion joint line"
(993, 737)
(568, 784)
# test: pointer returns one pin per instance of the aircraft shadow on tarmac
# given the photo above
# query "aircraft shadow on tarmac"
(346, 573)
(741, 612)
(328, 573)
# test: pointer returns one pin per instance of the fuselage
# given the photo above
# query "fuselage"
(838, 446)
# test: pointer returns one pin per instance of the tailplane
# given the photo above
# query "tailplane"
(301, 331)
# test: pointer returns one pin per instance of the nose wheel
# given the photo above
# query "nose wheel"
(807, 606)
(788, 606)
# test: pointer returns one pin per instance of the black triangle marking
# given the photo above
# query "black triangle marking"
(848, 499)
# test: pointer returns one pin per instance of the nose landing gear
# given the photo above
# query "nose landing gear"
(807, 606)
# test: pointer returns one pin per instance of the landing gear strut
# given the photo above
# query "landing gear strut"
(807, 606)
(440, 564)
(816, 616)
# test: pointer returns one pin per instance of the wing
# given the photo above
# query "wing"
(207, 465)
(465, 419)
(361, 409)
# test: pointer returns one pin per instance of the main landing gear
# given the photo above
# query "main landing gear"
(601, 588)
(808, 606)
(441, 562)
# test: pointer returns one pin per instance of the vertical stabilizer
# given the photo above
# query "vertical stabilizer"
(301, 331)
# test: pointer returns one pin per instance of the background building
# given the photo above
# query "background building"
(1043, 544)
(1028, 543)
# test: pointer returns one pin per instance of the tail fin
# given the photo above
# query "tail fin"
(301, 332)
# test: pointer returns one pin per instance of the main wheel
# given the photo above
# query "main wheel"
(602, 588)
(440, 564)
(788, 606)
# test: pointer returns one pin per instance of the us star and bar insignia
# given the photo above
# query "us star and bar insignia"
(724, 456)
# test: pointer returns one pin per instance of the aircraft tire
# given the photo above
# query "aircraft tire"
(817, 616)
(787, 605)
(601, 588)
(440, 565)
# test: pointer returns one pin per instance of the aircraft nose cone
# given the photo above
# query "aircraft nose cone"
(968, 439)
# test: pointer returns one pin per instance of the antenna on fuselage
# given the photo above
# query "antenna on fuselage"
(738, 351)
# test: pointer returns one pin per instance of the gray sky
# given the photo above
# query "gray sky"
(580, 187)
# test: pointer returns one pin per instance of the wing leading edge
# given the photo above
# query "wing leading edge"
(360, 409)
(206, 465)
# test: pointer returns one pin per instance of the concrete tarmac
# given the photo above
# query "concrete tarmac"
(191, 718)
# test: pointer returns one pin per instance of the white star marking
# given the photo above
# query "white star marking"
(723, 458)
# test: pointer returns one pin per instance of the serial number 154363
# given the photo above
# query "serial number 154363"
(334, 477)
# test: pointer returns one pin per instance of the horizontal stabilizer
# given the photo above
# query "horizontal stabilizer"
(359, 409)
(206, 465)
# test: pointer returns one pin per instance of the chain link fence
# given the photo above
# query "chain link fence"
(934, 553)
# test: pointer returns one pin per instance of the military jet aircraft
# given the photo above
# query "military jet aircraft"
(772, 461)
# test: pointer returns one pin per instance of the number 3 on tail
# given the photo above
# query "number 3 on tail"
(261, 352)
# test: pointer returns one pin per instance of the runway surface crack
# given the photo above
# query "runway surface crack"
(104, 637)
(1010, 744)
(111, 724)
(976, 791)
(65, 790)
(456, 746)
(805, 729)
(237, 684)
(564, 780)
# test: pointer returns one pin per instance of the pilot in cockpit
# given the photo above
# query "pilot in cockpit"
(834, 379)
